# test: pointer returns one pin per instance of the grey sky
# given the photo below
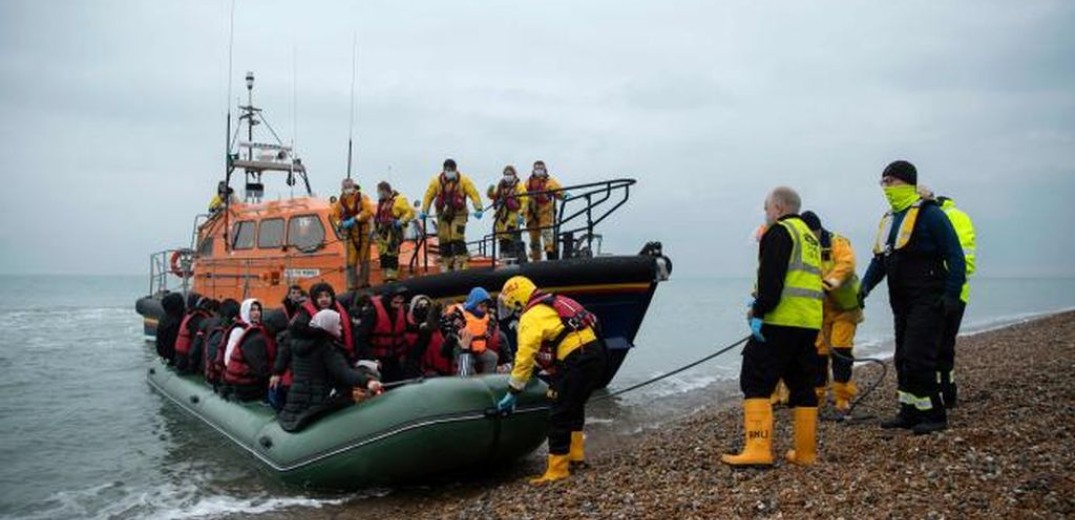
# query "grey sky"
(112, 113)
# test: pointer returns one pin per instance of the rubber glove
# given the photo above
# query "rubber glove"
(755, 329)
(506, 404)
(397, 225)
(521, 221)
(863, 293)
(348, 224)
(478, 214)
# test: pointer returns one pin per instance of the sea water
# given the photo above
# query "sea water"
(82, 435)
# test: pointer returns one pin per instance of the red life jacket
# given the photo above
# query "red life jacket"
(345, 324)
(572, 314)
(216, 340)
(352, 210)
(387, 339)
(384, 210)
(536, 184)
(506, 196)
(433, 362)
(237, 372)
(186, 337)
(451, 194)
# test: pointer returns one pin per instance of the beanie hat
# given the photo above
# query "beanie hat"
(811, 220)
(901, 170)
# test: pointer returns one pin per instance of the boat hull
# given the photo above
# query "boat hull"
(412, 432)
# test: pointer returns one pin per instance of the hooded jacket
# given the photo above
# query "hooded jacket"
(299, 327)
(168, 326)
(318, 367)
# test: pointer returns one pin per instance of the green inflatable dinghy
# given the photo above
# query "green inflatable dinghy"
(414, 431)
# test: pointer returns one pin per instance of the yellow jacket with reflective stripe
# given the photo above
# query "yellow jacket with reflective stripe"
(965, 231)
(537, 325)
(800, 302)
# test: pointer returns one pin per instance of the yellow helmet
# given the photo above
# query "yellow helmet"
(516, 293)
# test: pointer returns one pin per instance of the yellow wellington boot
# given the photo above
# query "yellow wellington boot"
(805, 452)
(578, 448)
(758, 427)
(844, 393)
(557, 470)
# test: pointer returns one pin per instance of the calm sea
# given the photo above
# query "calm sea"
(83, 436)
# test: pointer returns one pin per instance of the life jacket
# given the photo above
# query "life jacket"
(345, 324)
(506, 198)
(451, 196)
(387, 337)
(185, 338)
(213, 353)
(385, 216)
(236, 371)
(903, 235)
(536, 184)
(478, 327)
(353, 209)
(574, 317)
(432, 361)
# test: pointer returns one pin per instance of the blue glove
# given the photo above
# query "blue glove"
(521, 221)
(478, 214)
(348, 224)
(506, 404)
(565, 194)
(755, 329)
(397, 225)
(422, 215)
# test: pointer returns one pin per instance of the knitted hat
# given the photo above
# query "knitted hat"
(811, 220)
(901, 170)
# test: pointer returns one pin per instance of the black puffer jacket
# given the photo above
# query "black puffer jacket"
(317, 367)
(168, 326)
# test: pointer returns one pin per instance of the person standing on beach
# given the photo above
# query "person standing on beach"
(841, 316)
(562, 336)
(784, 319)
(961, 222)
(918, 251)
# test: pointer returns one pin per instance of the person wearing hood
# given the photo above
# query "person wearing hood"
(841, 314)
(509, 200)
(213, 333)
(475, 333)
(188, 353)
(323, 379)
(352, 215)
(382, 332)
(542, 192)
(919, 253)
(322, 297)
(424, 340)
(294, 299)
(393, 216)
(249, 355)
(168, 326)
(449, 190)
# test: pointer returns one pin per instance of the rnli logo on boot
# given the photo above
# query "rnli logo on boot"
(757, 434)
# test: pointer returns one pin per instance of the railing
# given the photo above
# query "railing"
(573, 227)
(160, 267)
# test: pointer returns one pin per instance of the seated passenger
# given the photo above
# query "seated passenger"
(294, 299)
(323, 380)
(214, 332)
(423, 341)
(473, 333)
(168, 326)
(322, 297)
(249, 355)
(187, 360)
(382, 337)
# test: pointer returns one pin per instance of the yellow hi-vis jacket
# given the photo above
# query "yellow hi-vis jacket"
(537, 325)
(965, 231)
(800, 302)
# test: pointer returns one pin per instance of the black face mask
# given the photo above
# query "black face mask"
(421, 312)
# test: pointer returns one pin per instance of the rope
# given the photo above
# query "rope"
(688, 366)
(872, 387)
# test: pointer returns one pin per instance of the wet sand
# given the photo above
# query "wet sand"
(1009, 453)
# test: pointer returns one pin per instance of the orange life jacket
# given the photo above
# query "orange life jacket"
(451, 195)
(237, 372)
(387, 337)
(535, 184)
(478, 327)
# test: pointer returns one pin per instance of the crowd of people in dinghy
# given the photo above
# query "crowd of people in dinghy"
(318, 353)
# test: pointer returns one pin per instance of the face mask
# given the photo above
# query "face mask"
(384, 194)
(509, 177)
(901, 197)
(348, 191)
(450, 174)
(540, 172)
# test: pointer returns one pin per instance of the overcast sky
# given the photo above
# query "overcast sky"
(112, 114)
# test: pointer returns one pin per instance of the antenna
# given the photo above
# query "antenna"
(227, 131)
(351, 128)
(294, 118)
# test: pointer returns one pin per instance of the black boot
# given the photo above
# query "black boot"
(552, 255)
(948, 390)
(932, 420)
(907, 418)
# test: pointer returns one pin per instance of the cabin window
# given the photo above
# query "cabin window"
(205, 247)
(244, 235)
(305, 233)
(271, 233)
